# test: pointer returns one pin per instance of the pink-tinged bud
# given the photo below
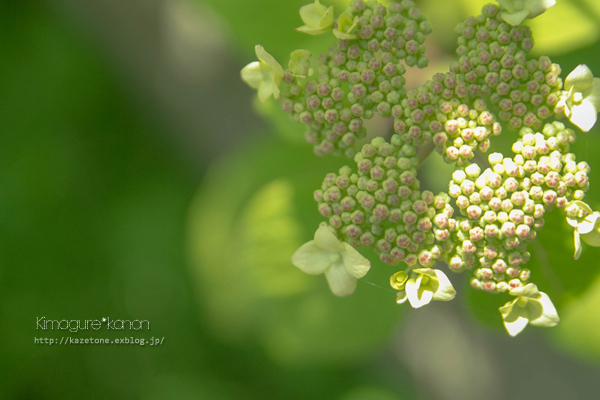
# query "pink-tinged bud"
(381, 211)
(384, 245)
(539, 223)
(404, 192)
(325, 210)
(499, 266)
(407, 178)
(495, 203)
(358, 217)
(409, 218)
(417, 237)
(515, 258)
(581, 178)
(513, 272)
(508, 229)
(411, 259)
(516, 216)
(511, 242)
(525, 274)
(367, 239)
(397, 254)
(549, 197)
(372, 185)
(476, 234)
(552, 179)
(367, 202)
(514, 283)
(353, 231)
(387, 258)
(485, 273)
(517, 198)
(403, 241)
(474, 212)
(469, 247)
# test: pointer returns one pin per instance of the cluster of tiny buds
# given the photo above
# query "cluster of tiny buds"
(493, 55)
(438, 109)
(358, 77)
(381, 206)
(503, 207)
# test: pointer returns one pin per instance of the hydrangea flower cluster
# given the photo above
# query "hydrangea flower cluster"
(491, 210)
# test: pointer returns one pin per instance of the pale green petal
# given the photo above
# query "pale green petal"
(268, 59)
(340, 281)
(327, 20)
(430, 272)
(515, 18)
(549, 316)
(592, 238)
(266, 89)
(253, 74)
(507, 4)
(326, 240)
(413, 291)
(584, 115)
(312, 259)
(588, 223)
(530, 291)
(312, 14)
(537, 7)
(345, 25)
(505, 309)
(592, 94)
(311, 30)
(574, 222)
(580, 78)
(354, 262)
(445, 290)
(401, 297)
(515, 317)
(515, 327)
(316, 17)
(344, 36)
(577, 240)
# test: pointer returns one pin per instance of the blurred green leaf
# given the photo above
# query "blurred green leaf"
(253, 211)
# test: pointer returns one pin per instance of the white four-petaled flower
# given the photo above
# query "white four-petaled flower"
(530, 307)
(341, 263)
(264, 75)
(581, 98)
(518, 10)
(424, 285)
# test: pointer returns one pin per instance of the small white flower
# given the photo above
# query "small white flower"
(586, 223)
(518, 10)
(530, 307)
(581, 98)
(341, 263)
(264, 75)
(424, 285)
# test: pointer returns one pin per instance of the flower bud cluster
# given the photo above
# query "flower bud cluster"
(503, 207)
(357, 77)
(381, 206)
(493, 55)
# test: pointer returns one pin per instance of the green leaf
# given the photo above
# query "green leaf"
(253, 211)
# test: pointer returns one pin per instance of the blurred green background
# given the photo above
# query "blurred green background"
(138, 180)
